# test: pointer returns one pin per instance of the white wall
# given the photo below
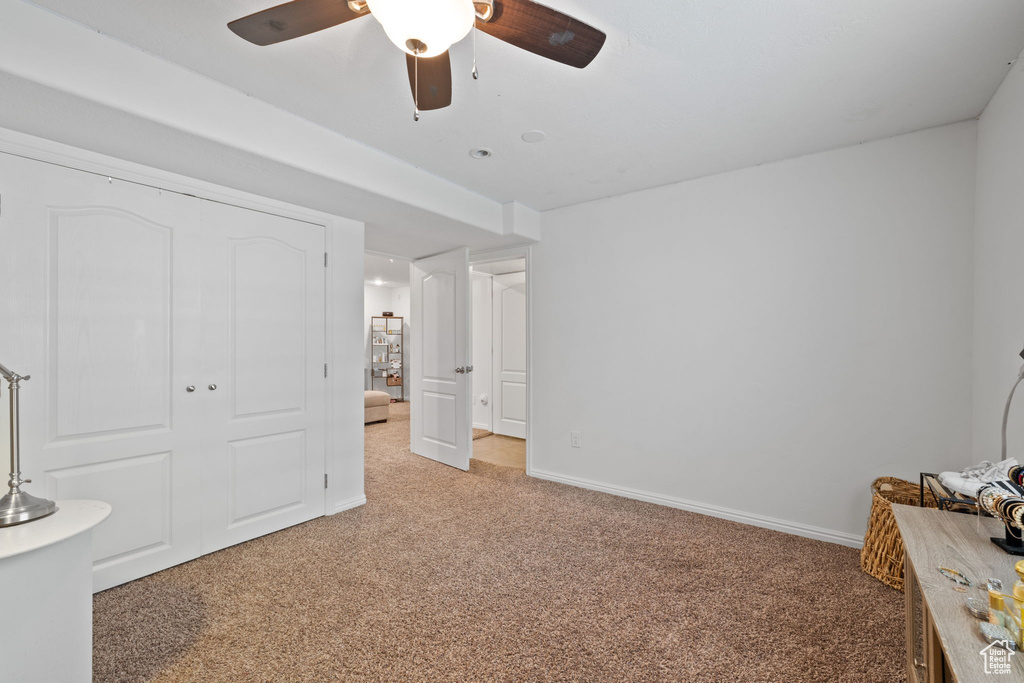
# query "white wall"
(346, 462)
(400, 303)
(815, 320)
(999, 270)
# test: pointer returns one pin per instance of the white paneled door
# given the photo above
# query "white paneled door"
(441, 363)
(176, 348)
(263, 373)
(509, 355)
(101, 301)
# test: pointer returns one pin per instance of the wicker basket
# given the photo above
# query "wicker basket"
(882, 554)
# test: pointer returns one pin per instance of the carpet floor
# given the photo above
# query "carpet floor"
(493, 576)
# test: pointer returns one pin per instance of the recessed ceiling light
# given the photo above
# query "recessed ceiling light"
(378, 282)
(480, 153)
(534, 136)
(391, 259)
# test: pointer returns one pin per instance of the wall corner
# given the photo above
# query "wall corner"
(521, 220)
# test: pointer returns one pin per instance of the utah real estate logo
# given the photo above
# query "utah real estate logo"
(998, 657)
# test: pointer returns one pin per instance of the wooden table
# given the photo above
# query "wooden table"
(943, 640)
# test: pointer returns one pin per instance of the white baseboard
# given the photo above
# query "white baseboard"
(349, 504)
(795, 528)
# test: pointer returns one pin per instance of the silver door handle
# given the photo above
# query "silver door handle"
(190, 388)
(460, 370)
(469, 368)
(213, 387)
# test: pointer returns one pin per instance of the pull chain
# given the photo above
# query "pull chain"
(475, 76)
(416, 89)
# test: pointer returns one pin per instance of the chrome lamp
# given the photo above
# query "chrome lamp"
(17, 506)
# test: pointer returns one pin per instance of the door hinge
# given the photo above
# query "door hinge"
(325, 259)
(325, 369)
(325, 481)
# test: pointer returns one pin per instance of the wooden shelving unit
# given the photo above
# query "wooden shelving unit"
(387, 353)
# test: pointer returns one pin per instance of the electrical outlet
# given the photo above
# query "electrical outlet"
(576, 438)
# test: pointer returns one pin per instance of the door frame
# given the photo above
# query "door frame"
(523, 251)
(343, 428)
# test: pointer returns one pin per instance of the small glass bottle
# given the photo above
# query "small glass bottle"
(995, 607)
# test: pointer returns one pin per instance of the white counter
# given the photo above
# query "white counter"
(46, 577)
(72, 517)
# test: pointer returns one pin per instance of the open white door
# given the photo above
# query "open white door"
(439, 373)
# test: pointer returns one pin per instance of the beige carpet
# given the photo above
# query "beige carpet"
(480, 433)
(492, 576)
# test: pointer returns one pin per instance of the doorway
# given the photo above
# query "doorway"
(499, 336)
(441, 373)
(386, 291)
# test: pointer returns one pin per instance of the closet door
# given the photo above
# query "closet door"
(263, 373)
(100, 304)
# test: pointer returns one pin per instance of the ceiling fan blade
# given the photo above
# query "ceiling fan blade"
(291, 20)
(435, 81)
(544, 31)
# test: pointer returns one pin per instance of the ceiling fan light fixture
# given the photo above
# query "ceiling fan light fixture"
(424, 28)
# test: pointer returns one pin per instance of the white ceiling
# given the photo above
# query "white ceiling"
(682, 89)
(392, 271)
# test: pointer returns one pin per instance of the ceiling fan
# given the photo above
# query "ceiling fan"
(425, 29)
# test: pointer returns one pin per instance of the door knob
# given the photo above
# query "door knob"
(213, 387)
(460, 370)
(469, 368)
(190, 388)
